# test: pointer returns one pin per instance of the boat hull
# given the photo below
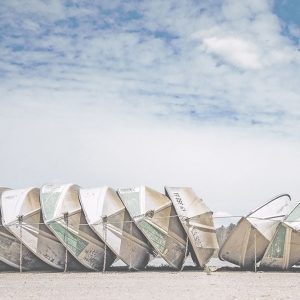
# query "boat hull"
(120, 234)
(244, 246)
(250, 238)
(65, 218)
(155, 216)
(284, 250)
(196, 219)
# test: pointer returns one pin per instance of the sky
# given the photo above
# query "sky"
(178, 93)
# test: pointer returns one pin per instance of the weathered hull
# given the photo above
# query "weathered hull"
(243, 245)
(64, 217)
(284, 250)
(120, 234)
(248, 241)
(10, 249)
(196, 219)
(44, 244)
(155, 216)
(34, 234)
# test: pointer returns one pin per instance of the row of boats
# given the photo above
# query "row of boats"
(66, 227)
(70, 228)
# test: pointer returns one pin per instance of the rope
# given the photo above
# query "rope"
(104, 218)
(143, 215)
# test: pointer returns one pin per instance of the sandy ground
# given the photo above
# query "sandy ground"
(151, 285)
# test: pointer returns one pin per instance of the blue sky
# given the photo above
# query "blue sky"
(90, 91)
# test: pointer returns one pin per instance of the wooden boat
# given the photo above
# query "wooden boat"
(284, 249)
(12, 251)
(24, 205)
(64, 217)
(155, 216)
(107, 216)
(248, 241)
(196, 219)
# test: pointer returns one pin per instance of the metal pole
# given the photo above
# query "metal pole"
(255, 258)
(130, 263)
(104, 219)
(20, 219)
(66, 219)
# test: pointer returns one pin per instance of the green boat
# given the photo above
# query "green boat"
(155, 216)
(284, 249)
(65, 218)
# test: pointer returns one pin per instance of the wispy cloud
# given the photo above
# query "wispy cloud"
(220, 61)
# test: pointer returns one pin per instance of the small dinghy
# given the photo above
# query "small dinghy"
(63, 215)
(155, 216)
(248, 241)
(196, 219)
(12, 251)
(107, 216)
(284, 250)
(24, 205)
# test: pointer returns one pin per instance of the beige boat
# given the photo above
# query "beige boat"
(284, 250)
(107, 216)
(24, 205)
(12, 251)
(248, 241)
(155, 216)
(196, 218)
(65, 218)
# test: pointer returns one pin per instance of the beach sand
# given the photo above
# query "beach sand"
(151, 284)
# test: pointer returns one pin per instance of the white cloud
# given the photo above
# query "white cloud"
(200, 94)
(236, 51)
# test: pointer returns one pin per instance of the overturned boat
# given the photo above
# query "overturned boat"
(64, 216)
(155, 216)
(23, 207)
(107, 216)
(284, 250)
(196, 219)
(248, 241)
(12, 251)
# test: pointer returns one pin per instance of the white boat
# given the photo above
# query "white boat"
(64, 216)
(248, 241)
(196, 218)
(12, 251)
(284, 250)
(155, 216)
(24, 205)
(107, 216)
